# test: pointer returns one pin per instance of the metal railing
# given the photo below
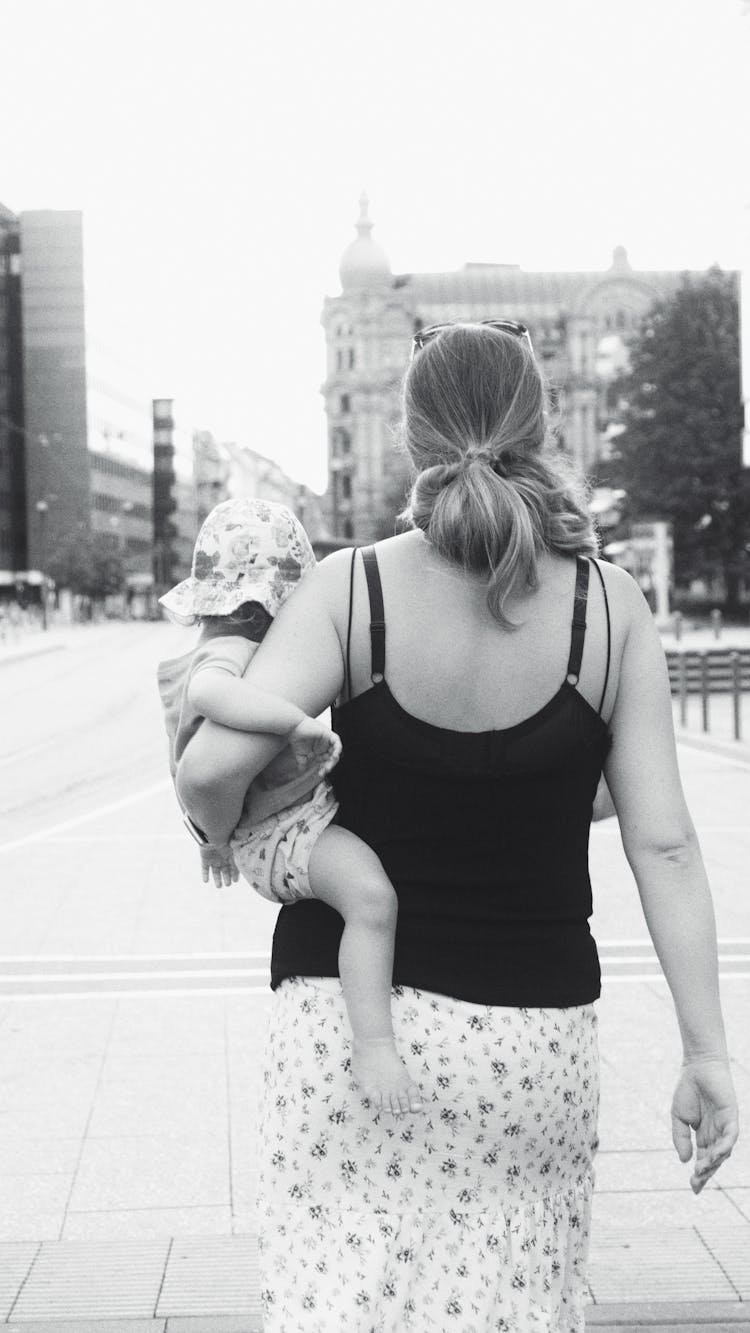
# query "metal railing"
(708, 672)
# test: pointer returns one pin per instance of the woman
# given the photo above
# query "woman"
(486, 669)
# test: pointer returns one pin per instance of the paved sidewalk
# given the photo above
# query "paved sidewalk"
(132, 1008)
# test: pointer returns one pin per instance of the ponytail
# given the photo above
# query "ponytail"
(491, 491)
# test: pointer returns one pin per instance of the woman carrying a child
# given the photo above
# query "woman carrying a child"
(484, 670)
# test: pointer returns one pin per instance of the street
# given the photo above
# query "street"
(133, 997)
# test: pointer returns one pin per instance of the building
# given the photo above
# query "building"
(579, 324)
(175, 496)
(12, 431)
(251, 473)
(77, 421)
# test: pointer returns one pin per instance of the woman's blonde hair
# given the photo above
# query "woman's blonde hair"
(492, 488)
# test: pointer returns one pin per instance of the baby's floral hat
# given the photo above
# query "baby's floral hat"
(247, 551)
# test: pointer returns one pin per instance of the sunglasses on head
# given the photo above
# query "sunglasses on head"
(423, 336)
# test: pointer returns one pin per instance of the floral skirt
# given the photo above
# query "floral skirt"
(471, 1218)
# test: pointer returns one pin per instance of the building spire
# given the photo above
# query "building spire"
(364, 223)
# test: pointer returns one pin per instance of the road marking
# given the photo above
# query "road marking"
(254, 990)
(125, 957)
(109, 809)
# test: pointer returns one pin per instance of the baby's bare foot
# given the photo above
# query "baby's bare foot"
(383, 1077)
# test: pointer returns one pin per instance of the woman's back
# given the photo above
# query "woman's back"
(452, 768)
(451, 663)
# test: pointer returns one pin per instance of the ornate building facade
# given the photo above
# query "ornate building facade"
(579, 325)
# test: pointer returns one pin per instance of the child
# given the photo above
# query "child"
(249, 557)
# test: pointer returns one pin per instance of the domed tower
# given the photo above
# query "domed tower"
(367, 337)
(364, 264)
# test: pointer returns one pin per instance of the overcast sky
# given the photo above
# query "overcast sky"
(218, 149)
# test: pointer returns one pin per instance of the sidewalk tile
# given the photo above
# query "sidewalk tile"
(640, 1210)
(657, 1265)
(248, 1323)
(155, 1222)
(103, 1325)
(34, 1227)
(731, 1249)
(89, 1280)
(211, 1276)
(46, 1122)
(646, 1170)
(740, 1198)
(22, 1156)
(22, 1196)
(151, 1171)
(15, 1262)
(185, 1023)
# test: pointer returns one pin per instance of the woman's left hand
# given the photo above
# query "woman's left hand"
(704, 1101)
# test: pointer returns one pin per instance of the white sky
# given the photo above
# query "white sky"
(218, 150)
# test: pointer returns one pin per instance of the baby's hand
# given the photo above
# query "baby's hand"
(319, 742)
(219, 860)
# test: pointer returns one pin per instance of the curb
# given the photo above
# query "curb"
(670, 1317)
(657, 1317)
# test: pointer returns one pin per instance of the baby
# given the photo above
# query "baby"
(249, 557)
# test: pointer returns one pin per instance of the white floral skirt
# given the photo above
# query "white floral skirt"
(471, 1218)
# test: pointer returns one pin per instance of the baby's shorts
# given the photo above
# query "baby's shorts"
(274, 855)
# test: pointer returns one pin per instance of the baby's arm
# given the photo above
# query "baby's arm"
(234, 702)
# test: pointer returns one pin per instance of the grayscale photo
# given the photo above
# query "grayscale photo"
(374, 666)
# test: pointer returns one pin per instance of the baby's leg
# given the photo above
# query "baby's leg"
(346, 874)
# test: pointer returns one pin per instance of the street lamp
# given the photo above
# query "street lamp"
(42, 509)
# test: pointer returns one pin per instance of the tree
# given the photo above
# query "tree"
(88, 563)
(679, 456)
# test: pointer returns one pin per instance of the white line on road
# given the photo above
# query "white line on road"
(125, 957)
(110, 809)
(164, 993)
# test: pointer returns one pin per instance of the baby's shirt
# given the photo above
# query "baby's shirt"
(288, 778)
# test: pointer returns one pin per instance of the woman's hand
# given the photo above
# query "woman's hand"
(705, 1101)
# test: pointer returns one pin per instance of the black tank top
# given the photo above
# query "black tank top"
(484, 836)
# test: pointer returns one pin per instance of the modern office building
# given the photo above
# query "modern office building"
(579, 324)
(77, 417)
(12, 431)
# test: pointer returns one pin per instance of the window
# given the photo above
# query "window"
(346, 486)
(351, 358)
(349, 529)
(339, 358)
(344, 403)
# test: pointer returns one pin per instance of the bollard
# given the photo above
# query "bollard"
(736, 695)
(716, 623)
(704, 689)
(683, 689)
(677, 624)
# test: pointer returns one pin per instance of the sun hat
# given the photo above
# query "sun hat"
(247, 551)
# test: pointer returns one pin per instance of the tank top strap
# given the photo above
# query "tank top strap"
(578, 628)
(377, 615)
(348, 664)
(609, 635)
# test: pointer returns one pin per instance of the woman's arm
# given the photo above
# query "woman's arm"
(658, 835)
(301, 660)
(662, 848)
